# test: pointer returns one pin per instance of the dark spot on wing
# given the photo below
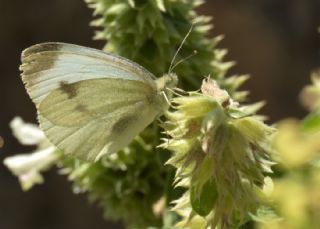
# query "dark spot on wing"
(38, 48)
(69, 89)
(150, 98)
(81, 108)
(36, 59)
(122, 124)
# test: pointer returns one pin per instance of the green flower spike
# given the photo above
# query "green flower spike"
(221, 152)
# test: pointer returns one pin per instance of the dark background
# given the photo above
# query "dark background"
(276, 42)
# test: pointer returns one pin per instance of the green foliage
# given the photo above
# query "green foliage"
(295, 195)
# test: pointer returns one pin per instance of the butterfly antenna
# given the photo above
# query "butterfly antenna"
(184, 59)
(182, 43)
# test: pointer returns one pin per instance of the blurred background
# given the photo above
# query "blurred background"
(276, 42)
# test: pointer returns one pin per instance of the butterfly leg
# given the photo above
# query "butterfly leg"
(166, 98)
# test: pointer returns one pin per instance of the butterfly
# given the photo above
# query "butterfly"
(91, 103)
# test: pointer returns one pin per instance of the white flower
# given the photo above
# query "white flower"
(27, 167)
(26, 133)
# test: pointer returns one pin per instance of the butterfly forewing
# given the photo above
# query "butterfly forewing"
(89, 103)
(45, 65)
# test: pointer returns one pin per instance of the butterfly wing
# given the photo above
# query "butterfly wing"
(89, 103)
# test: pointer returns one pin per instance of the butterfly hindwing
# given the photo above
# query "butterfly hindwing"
(89, 129)
(104, 98)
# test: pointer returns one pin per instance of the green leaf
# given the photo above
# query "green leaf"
(202, 203)
(311, 123)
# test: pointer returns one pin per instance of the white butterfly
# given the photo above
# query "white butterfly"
(91, 103)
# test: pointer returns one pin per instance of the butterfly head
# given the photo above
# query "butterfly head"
(165, 84)
(168, 81)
